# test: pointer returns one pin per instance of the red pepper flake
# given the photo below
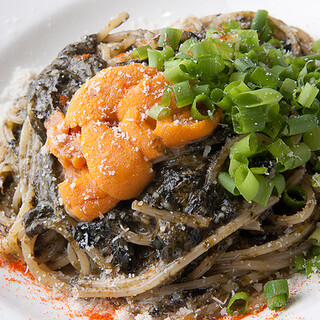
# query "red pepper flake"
(83, 56)
(63, 100)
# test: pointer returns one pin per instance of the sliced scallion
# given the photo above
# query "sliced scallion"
(169, 37)
(257, 97)
(236, 161)
(202, 107)
(155, 59)
(295, 197)
(246, 120)
(166, 96)
(315, 237)
(301, 124)
(279, 184)
(216, 95)
(183, 93)
(246, 182)
(259, 20)
(210, 65)
(263, 78)
(141, 53)
(247, 146)
(158, 112)
(307, 95)
(228, 183)
(265, 189)
(276, 293)
(238, 303)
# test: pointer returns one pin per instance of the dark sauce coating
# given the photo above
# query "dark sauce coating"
(58, 82)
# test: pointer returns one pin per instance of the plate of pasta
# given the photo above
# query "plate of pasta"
(161, 163)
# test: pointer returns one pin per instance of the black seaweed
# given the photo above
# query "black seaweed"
(35, 220)
(61, 79)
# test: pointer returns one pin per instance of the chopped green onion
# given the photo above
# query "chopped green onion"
(265, 189)
(187, 46)
(204, 47)
(238, 303)
(216, 95)
(279, 149)
(226, 48)
(315, 180)
(246, 120)
(244, 63)
(228, 183)
(307, 95)
(257, 97)
(294, 197)
(183, 93)
(259, 20)
(276, 43)
(210, 65)
(201, 89)
(279, 183)
(231, 25)
(213, 31)
(312, 265)
(299, 155)
(141, 53)
(316, 46)
(267, 32)
(277, 70)
(259, 170)
(234, 88)
(166, 96)
(155, 59)
(237, 160)
(248, 39)
(263, 78)
(276, 293)
(272, 129)
(158, 112)
(247, 146)
(178, 72)
(169, 37)
(315, 237)
(299, 263)
(237, 76)
(272, 111)
(287, 88)
(202, 107)
(225, 103)
(246, 182)
(276, 58)
(301, 124)
(167, 53)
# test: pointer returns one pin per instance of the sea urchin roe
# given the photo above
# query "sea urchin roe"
(98, 98)
(65, 145)
(113, 139)
(84, 198)
(117, 166)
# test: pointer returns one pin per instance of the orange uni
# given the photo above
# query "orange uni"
(98, 98)
(119, 168)
(180, 128)
(106, 140)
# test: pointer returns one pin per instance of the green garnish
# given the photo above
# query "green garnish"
(276, 293)
(261, 88)
(238, 303)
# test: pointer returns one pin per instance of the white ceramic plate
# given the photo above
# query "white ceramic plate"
(32, 33)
